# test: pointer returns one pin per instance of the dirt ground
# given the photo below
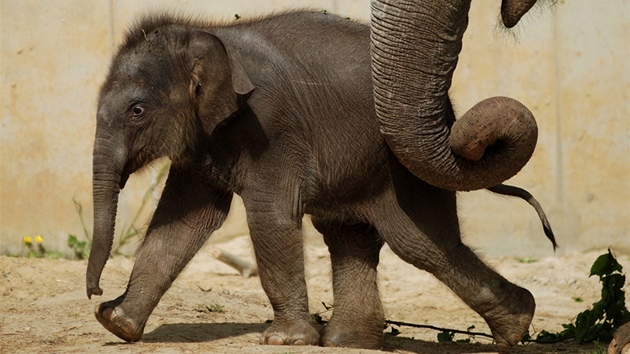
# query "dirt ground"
(44, 309)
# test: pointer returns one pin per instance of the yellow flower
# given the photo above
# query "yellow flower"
(27, 240)
(39, 239)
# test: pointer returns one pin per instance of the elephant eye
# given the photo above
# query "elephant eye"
(137, 111)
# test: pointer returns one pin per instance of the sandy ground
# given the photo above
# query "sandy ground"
(44, 309)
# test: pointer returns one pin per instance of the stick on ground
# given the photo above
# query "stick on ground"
(245, 268)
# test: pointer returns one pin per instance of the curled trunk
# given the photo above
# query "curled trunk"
(415, 47)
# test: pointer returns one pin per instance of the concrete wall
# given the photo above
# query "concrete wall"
(568, 64)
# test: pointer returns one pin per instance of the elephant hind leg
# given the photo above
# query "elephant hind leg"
(419, 222)
(358, 318)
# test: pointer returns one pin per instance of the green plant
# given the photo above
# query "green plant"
(36, 249)
(598, 323)
(393, 331)
(81, 248)
(217, 308)
(593, 325)
(445, 336)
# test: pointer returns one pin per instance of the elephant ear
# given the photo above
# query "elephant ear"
(219, 85)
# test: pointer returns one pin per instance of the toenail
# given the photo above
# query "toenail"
(107, 312)
(275, 340)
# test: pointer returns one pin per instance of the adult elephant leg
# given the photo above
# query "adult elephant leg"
(190, 209)
(277, 240)
(358, 318)
(419, 222)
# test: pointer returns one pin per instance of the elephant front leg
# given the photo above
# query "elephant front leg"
(189, 210)
(358, 318)
(277, 242)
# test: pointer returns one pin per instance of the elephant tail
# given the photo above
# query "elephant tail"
(513, 191)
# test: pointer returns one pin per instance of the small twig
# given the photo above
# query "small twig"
(398, 323)
(245, 268)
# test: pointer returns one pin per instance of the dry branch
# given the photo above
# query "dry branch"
(245, 268)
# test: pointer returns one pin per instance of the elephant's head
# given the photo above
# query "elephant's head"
(415, 47)
(168, 85)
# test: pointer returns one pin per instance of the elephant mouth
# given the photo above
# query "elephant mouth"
(126, 172)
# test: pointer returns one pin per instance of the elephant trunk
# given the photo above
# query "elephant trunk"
(415, 48)
(513, 10)
(107, 182)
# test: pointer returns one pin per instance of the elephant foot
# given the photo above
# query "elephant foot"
(355, 334)
(298, 332)
(510, 320)
(620, 343)
(113, 318)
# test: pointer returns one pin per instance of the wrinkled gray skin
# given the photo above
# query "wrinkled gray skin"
(620, 343)
(415, 46)
(414, 50)
(281, 112)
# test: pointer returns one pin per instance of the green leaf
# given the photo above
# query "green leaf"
(445, 336)
(606, 315)
(526, 337)
(605, 264)
(72, 240)
(394, 331)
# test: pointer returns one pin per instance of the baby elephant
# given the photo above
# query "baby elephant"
(281, 112)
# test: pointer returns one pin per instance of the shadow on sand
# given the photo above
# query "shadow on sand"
(208, 332)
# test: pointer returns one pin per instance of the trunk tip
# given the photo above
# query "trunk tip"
(512, 11)
(93, 288)
(90, 291)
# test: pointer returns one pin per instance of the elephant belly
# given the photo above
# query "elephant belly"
(345, 180)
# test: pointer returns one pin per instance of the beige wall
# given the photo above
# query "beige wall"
(568, 64)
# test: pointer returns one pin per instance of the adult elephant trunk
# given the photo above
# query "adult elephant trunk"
(415, 47)
(107, 171)
(513, 10)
